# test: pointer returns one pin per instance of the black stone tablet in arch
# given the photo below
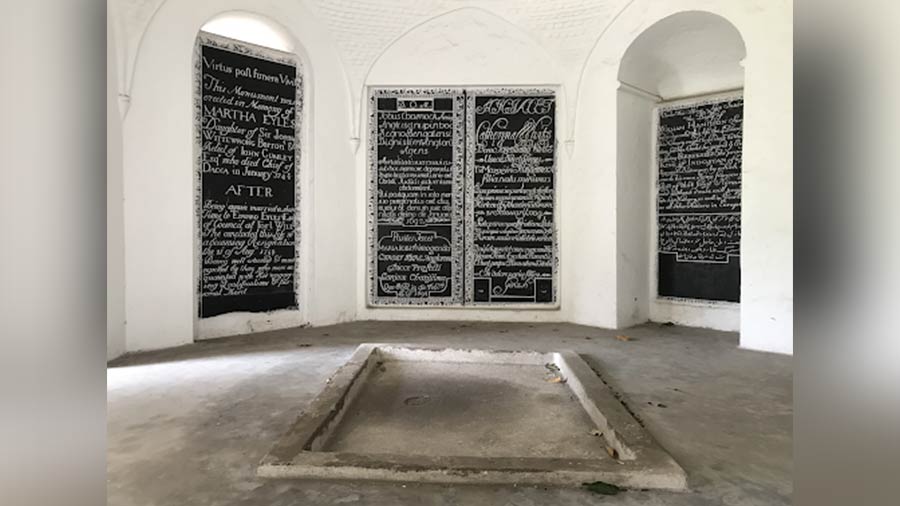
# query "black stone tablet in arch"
(699, 200)
(247, 125)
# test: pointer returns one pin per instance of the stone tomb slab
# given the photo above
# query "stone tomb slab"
(408, 413)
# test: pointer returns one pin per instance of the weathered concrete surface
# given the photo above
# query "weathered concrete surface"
(461, 415)
(188, 426)
(481, 410)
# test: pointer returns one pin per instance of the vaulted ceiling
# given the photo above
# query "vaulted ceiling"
(363, 29)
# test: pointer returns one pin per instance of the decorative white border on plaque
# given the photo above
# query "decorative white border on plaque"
(263, 53)
(458, 97)
(471, 94)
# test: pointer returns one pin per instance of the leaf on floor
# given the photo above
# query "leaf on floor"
(601, 487)
(612, 452)
(556, 379)
(623, 337)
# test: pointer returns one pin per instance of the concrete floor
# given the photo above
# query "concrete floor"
(477, 410)
(189, 425)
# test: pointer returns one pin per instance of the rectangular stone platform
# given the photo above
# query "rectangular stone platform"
(406, 413)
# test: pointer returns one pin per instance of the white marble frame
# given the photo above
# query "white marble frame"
(471, 94)
(458, 97)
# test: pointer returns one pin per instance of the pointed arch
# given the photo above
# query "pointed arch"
(460, 35)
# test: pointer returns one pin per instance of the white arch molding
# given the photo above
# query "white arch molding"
(689, 53)
(599, 294)
(462, 31)
(634, 19)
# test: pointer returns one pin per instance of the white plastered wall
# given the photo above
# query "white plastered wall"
(450, 51)
(690, 54)
(159, 178)
(115, 227)
(766, 310)
(633, 188)
(461, 47)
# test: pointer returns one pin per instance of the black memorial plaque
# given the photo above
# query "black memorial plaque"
(415, 192)
(699, 200)
(248, 153)
(510, 196)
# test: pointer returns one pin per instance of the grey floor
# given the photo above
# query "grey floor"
(188, 425)
(460, 409)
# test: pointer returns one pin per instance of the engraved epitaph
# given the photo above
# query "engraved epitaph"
(415, 196)
(510, 196)
(248, 101)
(699, 200)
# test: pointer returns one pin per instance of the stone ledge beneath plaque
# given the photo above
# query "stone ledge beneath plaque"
(404, 413)
(469, 306)
(687, 301)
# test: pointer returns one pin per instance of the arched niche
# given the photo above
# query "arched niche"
(260, 37)
(685, 54)
(159, 190)
(685, 57)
